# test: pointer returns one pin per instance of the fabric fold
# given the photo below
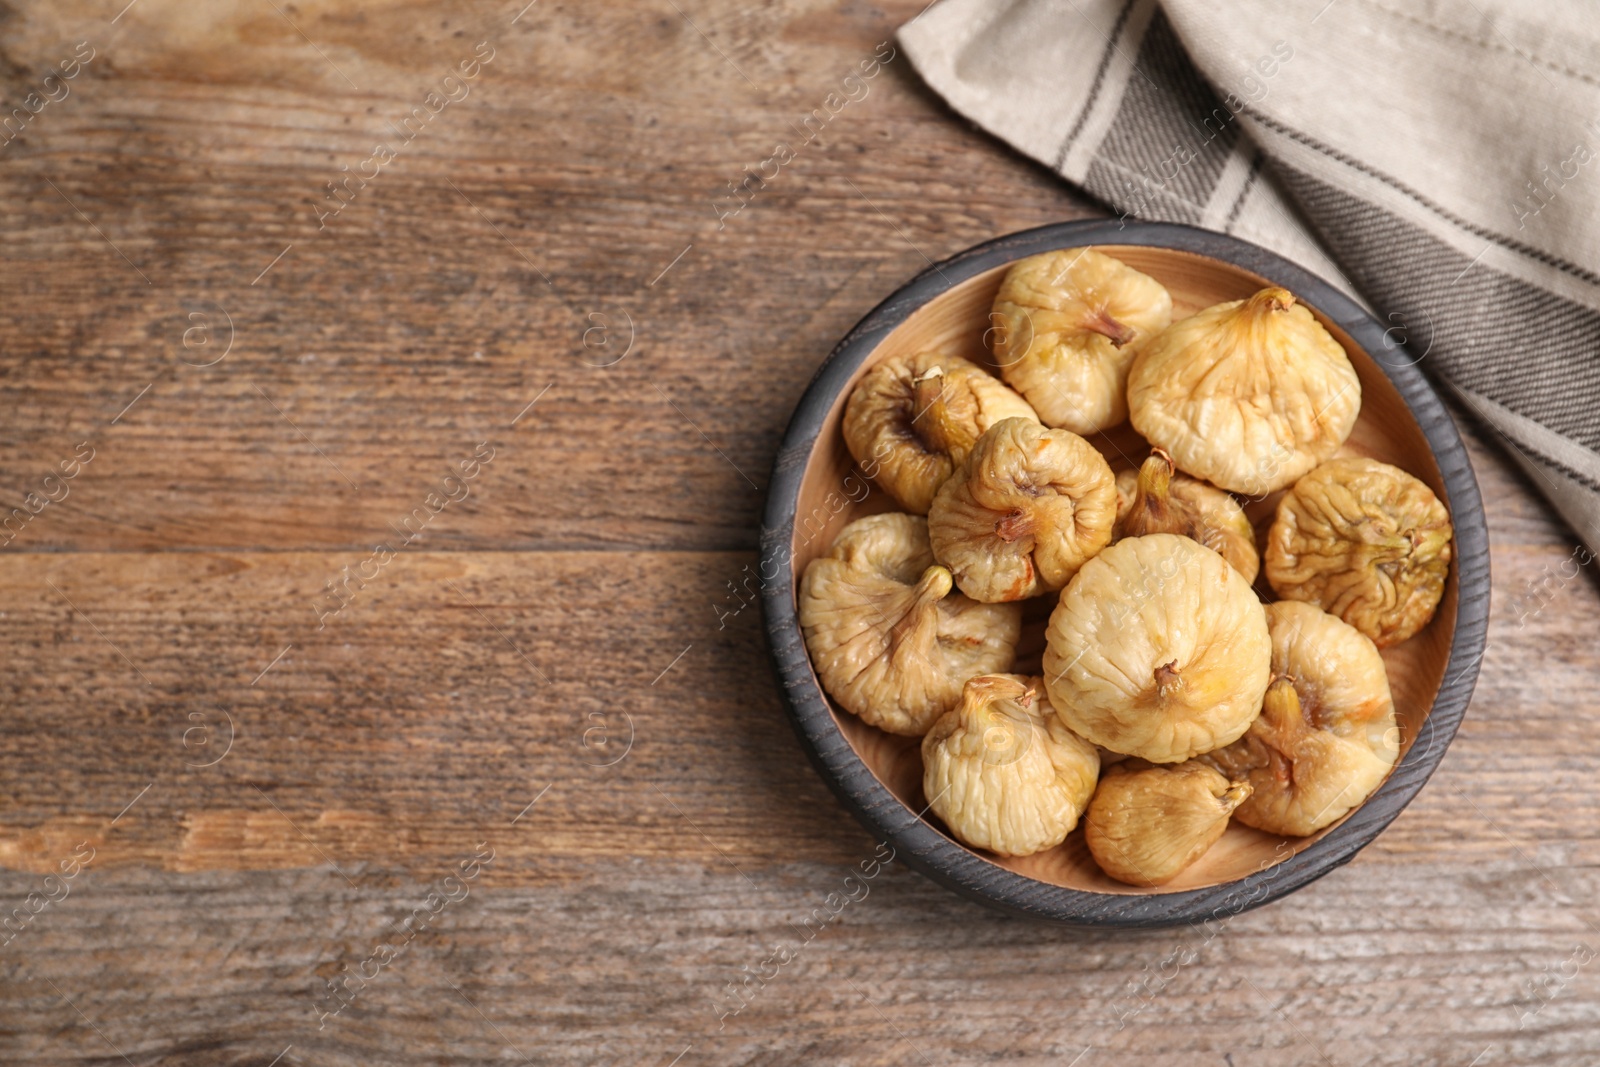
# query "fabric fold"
(1442, 165)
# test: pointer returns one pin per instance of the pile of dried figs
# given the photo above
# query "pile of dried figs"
(1188, 678)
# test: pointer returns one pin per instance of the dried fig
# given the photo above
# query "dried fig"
(1248, 395)
(912, 418)
(1159, 499)
(1365, 541)
(1020, 516)
(1066, 327)
(1003, 772)
(1159, 649)
(887, 637)
(1144, 827)
(1326, 737)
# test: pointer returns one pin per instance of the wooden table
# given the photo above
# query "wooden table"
(526, 771)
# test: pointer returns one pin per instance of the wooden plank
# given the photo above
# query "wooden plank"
(439, 701)
(453, 289)
(422, 707)
(631, 963)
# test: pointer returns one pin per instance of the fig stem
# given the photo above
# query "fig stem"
(927, 394)
(1271, 298)
(1152, 497)
(1236, 793)
(937, 401)
(922, 618)
(1427, 542)
(934, 585)
(1119, 333)
(1167, 677)
(986, 689)
(1281, 705)
(1017, 524)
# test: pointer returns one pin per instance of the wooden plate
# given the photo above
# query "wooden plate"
(815, 491)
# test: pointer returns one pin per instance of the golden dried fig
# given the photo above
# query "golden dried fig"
(1248, 395)
(1066, 328)
(1003, 772)
(1159, 649)
(1365, 541)
(1159, 499)
(887, 637)
(1020, 516)
(1327, 735)
(1144, 827)
(912, 418)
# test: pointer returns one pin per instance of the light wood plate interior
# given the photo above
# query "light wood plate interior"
(955, 322)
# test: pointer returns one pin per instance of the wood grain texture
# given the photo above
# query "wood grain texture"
(597, 547)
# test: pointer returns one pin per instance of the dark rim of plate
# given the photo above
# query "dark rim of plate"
(945, 861)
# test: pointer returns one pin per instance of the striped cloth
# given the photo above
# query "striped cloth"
(1439, 161)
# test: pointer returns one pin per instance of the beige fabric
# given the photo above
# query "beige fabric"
(1439, 161)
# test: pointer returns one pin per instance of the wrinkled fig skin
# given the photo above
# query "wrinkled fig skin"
(1365, 541)
(1327, 734)
(1248, 395)
(1023, 513)
(1003, 772)
(1145, 827)
(912, 418)
(888, 638)
(1066, 328)
(1159, 649)
(1158, 499)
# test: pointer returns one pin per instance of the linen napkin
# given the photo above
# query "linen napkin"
(1439, 161)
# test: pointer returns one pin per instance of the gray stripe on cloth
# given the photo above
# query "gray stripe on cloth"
(1244, 194)
(1487, 234)
(1171, 137)
(1099, 82)
(1520, 346)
